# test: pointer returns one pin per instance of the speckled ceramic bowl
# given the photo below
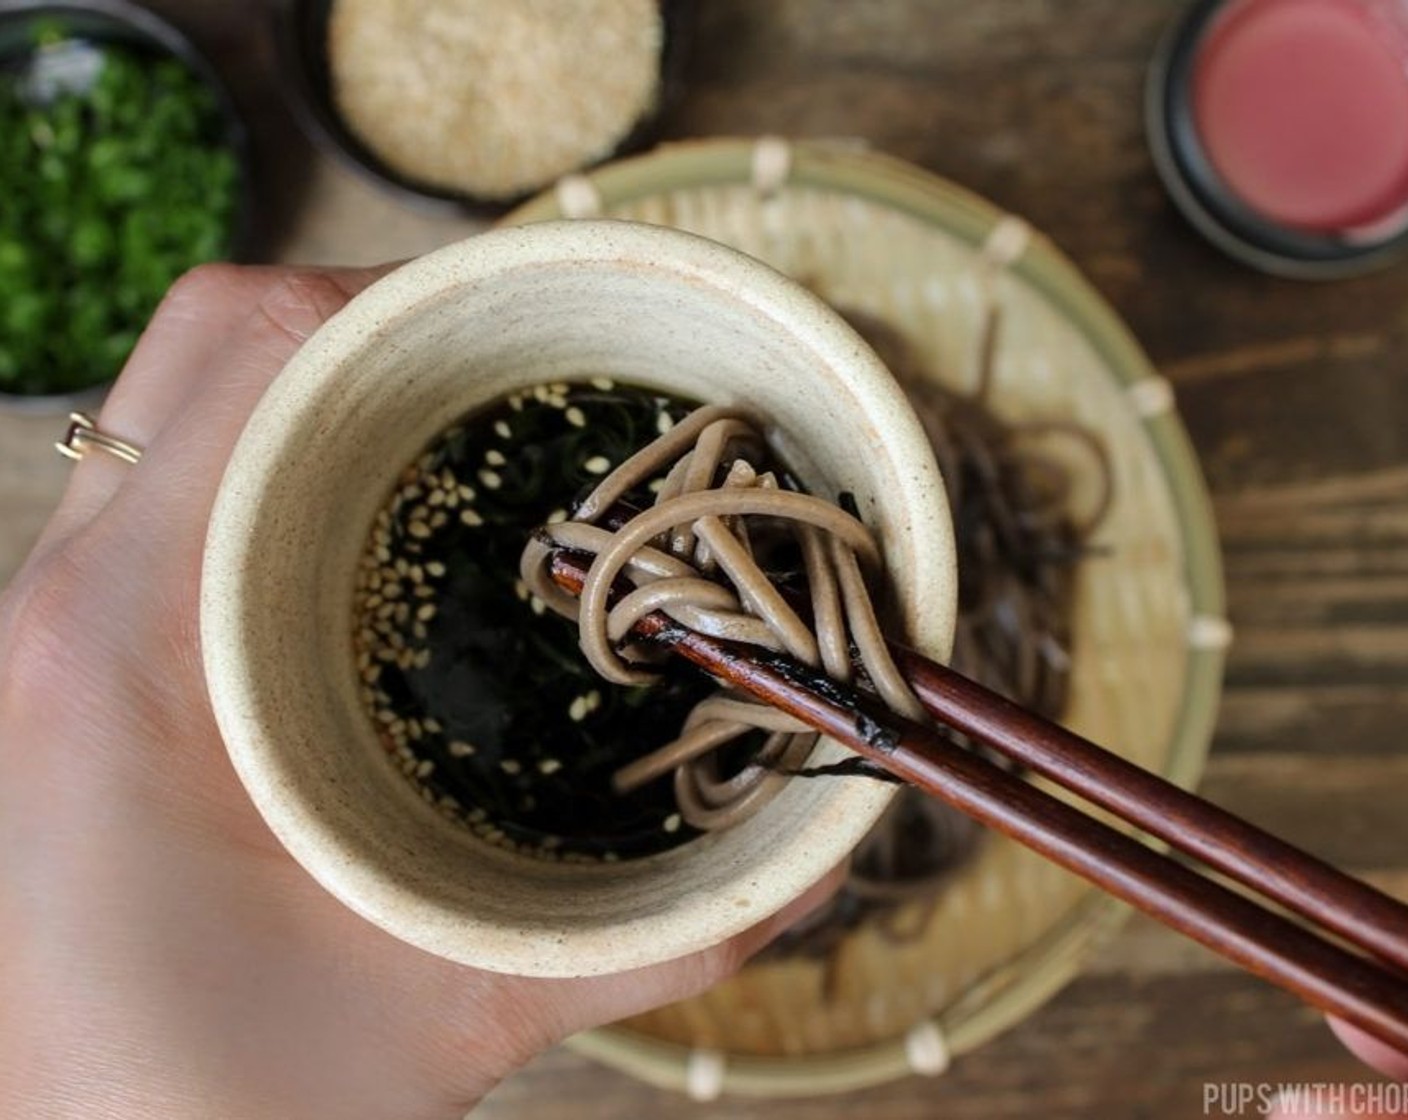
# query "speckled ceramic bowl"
(446, 334)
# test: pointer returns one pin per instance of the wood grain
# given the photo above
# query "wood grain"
(1296, 397)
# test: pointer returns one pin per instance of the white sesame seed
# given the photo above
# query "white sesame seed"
(515, 402)
(557, 516)
(502, 430)
(460, 749)
(605, 384)
(418, 529)
(425, 768)
(549, 766)
(577, 710)
(435, 568)
(672, 823)
(470, 518)
(593, 700)
(490, 479)
(431, 724)
(465, 492)
(494, 457)
(597, 464)
(520, 589)
(537, 605)
(511, 766)
(664, 422)
(576, 417)
(426, 612)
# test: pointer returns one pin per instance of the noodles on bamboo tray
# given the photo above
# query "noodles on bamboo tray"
(971, 309)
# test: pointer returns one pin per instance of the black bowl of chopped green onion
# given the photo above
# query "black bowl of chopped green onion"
(122, 165)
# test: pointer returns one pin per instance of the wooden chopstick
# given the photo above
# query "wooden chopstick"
(1324, 974)
(1362, 915)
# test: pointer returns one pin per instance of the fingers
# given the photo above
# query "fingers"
(188, 456)
(189, 329)
(185, 334)
(210, 316)
(1368, 1050)
(1371, 1051)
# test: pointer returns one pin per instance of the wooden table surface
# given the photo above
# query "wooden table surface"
(1296, 397)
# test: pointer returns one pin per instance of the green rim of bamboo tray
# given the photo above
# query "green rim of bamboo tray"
(1040, 970)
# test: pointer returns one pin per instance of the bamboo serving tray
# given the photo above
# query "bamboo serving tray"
(882, 237)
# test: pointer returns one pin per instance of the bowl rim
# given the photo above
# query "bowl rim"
(1044, 967)
(778, 873)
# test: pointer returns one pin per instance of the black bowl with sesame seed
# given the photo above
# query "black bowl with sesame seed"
(309, 72)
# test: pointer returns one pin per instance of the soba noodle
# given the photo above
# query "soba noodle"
(708, 553)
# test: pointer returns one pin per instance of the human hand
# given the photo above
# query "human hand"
(1368, 1050)
(163, 955)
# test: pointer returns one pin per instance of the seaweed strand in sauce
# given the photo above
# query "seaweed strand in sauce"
(486, 705)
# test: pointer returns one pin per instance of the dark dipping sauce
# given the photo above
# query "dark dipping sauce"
(479, 695)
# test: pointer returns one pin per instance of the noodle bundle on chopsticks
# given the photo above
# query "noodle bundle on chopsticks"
(711, 552)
